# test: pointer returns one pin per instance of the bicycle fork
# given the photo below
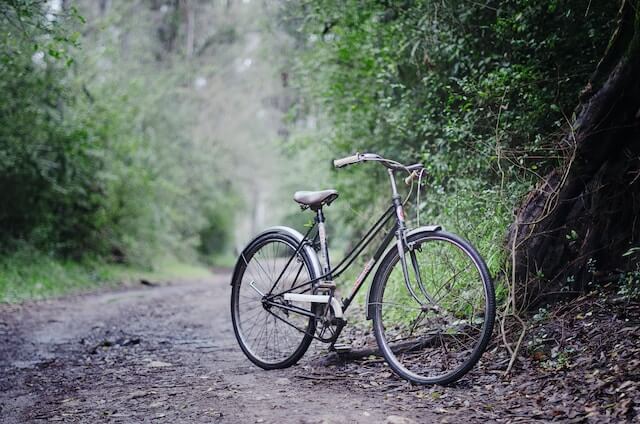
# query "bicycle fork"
(401, 242)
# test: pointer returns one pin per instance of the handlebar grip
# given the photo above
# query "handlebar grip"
(349, 160)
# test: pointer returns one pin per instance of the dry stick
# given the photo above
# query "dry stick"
(504, 333)
(498, 148)
(502, 178)
(517, 348)
(513, 268)
(505, 312)
(512, 301)
(319, 377)
(402, 346)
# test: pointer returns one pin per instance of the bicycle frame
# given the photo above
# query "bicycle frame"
(398, 231)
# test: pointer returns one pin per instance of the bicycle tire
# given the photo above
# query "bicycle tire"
(420, 342)
(276, 333)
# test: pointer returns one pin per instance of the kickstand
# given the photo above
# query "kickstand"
(338, 347)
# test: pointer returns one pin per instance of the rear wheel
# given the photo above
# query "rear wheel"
(271, 336)
(434, 330)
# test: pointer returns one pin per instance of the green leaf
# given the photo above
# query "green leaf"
(631, 251)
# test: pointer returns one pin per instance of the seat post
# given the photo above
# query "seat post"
(324, 248)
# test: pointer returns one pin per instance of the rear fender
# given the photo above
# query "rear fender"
(296, 237)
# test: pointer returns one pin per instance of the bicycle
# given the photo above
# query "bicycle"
(432, 301)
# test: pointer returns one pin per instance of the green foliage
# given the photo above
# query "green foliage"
(474, 211)
(30, 274)
(480, 92)
(215, 238)
(629, 284)
(27, 273)
(454, 83)
(94, 156)
(46, 165)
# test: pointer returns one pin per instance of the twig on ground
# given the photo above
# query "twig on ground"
(514, 355)
(319, 377)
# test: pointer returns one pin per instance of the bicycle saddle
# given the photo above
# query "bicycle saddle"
(315, 199)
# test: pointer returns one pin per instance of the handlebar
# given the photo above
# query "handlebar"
(413, 170)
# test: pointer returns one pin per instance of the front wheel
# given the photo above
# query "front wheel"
(434, 329)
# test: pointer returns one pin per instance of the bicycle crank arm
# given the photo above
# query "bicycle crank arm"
(316, 298)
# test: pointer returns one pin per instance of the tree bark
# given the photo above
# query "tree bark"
(580, 220)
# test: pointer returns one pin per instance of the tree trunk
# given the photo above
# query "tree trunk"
(104, 6)
(191, 17)
(582, 218)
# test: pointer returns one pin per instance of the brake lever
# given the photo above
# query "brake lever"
(411, 177)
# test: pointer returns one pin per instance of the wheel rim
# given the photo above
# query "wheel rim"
(270, 334)
(435, 333)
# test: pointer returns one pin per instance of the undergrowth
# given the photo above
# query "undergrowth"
(28, 274)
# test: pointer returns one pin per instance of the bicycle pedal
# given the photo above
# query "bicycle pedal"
(341, 348)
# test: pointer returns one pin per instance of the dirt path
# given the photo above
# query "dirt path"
(165, 354)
